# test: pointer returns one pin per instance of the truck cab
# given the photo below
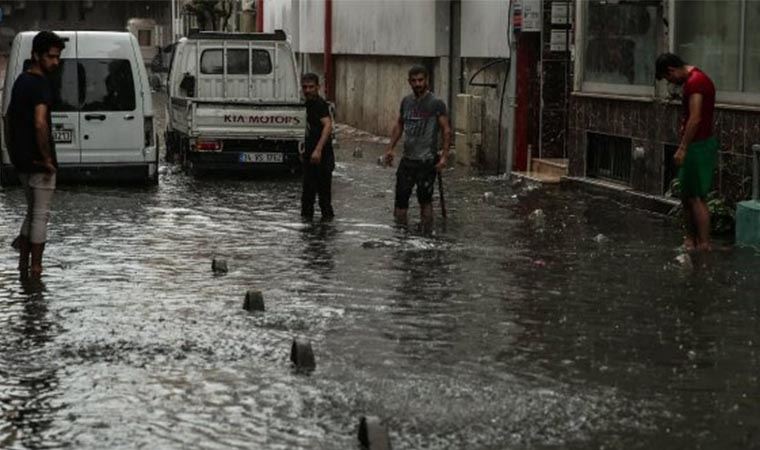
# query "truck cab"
(234, 103)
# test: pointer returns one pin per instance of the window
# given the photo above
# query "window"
(620, 45)
(608, 157)
(211, 62)
(144, 38)
(106, 85)
(711, 35)
(262, 64)
(237, 62)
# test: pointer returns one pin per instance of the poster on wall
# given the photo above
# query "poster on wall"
(531, 16)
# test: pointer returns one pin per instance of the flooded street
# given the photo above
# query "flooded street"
(508, 329)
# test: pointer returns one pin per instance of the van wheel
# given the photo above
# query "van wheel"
(5, 178)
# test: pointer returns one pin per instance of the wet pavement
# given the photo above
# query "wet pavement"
(579, 327)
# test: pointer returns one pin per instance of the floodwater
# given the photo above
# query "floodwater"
(579, 327)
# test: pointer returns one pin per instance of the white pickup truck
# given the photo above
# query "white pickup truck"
(234, 103)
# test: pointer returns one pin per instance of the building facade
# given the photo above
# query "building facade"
(373, 44)
(624, 126)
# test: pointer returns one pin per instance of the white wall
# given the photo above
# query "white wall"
(484, 28)
(283, 15)
(367, 27)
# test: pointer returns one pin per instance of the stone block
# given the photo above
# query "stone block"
(748, 223)
(463, 150)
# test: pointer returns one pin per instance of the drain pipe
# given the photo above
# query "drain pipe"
(756, 172)
(260, 16)
(328, 57)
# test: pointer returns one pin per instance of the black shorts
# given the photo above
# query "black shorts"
(411, 173)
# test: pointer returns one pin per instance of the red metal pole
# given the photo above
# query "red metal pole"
(260, 16)
(328, 60)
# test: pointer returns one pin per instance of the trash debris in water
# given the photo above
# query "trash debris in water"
(685, 260)
(600, 238)
(538, 218)
(539, 263)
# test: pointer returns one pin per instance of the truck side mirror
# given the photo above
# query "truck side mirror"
(188, 85)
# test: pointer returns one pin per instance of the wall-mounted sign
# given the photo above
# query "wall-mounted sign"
(531, 15)
(560, 40)
(560, 13)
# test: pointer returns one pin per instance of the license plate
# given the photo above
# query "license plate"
(261, 157)
(62, 136)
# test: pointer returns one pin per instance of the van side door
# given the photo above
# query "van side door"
(111, 113)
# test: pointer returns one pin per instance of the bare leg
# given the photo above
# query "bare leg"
(401, 216)
(24, 248)
(690, 241)
(35, 270)
(426, 215)
(701, 216)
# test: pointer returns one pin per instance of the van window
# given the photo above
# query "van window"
(262, 63)
(211, 62)
(237, 62)
(106, 85)
(65, 85)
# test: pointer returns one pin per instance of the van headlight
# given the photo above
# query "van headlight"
(149, 137)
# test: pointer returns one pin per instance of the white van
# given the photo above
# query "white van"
(103, 112)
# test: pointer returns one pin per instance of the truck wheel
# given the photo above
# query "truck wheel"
(5, 177)
(170, 141)
(154, 179)
(183, 150)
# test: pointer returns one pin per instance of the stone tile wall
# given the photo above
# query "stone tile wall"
(653, 125)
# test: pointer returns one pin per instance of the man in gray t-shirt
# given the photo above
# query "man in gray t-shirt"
(421, 118)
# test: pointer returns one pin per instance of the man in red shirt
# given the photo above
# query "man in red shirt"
(697, 153)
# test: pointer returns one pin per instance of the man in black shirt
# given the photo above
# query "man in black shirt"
(318, 158)
(31, 149)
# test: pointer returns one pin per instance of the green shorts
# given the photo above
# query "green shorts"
(696, 173)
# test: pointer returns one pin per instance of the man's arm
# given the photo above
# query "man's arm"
(395, 136)
(42, 131)
(316, 155)
(443, 122)
(690, 127)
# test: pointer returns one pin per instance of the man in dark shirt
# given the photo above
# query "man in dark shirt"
(318, 158)
(31, 148)
(697, 154)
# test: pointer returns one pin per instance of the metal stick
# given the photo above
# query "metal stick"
(440, 194)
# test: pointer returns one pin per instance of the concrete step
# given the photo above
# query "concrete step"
(550, 166)
(538, 177)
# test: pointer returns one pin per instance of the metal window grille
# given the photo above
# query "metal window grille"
(609, 157)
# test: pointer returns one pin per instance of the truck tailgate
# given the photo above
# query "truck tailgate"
(248, 120)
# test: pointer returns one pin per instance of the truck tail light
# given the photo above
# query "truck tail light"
(208, 145)
(149, 141)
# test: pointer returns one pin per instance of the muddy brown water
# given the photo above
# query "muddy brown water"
(503, 330)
